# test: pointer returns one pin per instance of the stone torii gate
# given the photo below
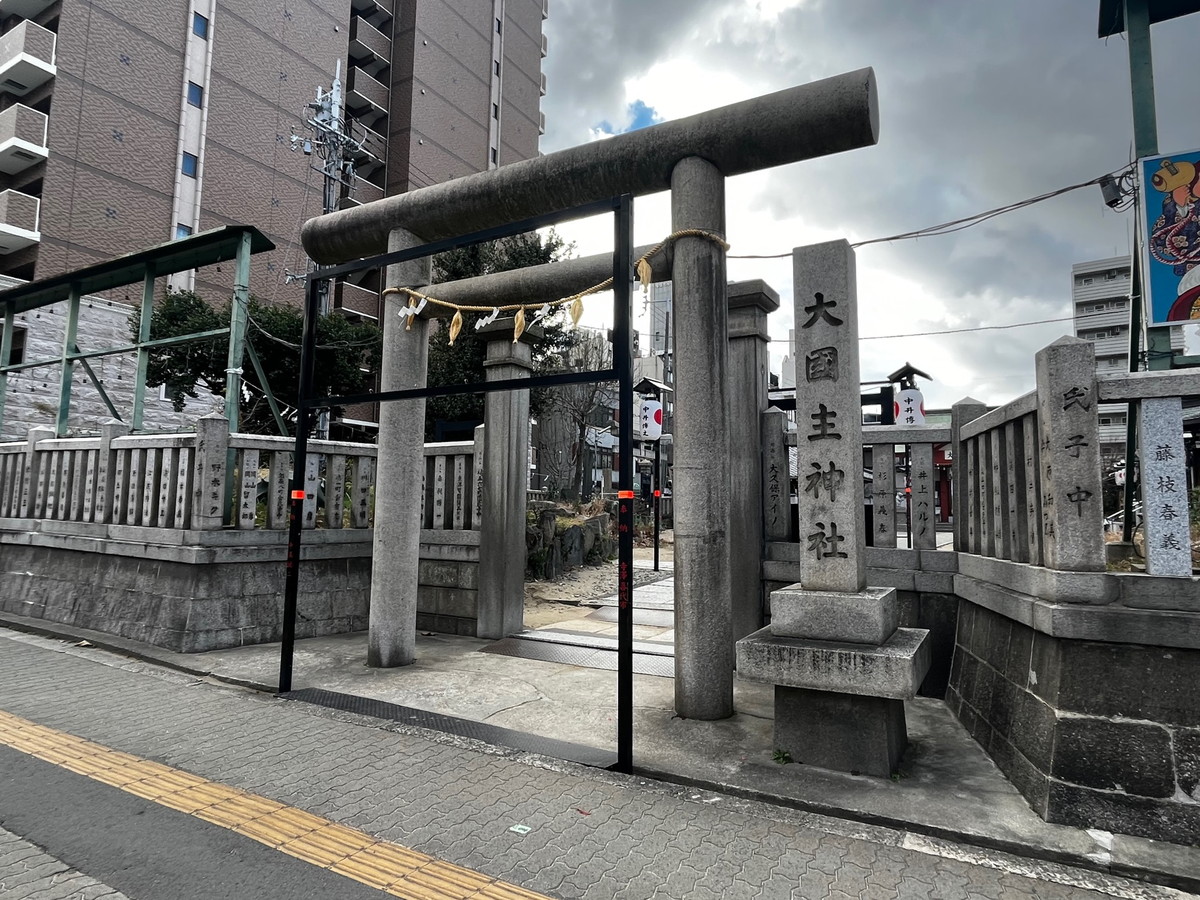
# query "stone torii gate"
(691, 157)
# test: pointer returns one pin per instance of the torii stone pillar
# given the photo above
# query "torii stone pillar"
(750, 302)
(703, 609)
(501, 597)
(395, 555)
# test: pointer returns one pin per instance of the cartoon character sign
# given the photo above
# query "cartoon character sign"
(1171, 205)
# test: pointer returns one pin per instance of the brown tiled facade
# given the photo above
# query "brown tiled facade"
(420, 74)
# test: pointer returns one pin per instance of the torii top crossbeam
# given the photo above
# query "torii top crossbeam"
(824, 117)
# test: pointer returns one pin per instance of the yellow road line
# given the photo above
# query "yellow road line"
(351, 853)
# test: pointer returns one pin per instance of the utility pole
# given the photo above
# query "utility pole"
(330, 140)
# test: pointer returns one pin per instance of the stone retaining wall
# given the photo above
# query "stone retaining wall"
(214, 590)
(1093, 734)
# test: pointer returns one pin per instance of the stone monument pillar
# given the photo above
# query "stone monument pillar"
(750, 302)
(703, 613)
(840, 665)
(501, 598)
(399, 483)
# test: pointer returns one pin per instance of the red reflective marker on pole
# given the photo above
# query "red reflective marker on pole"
(298, 495)
(624, 495)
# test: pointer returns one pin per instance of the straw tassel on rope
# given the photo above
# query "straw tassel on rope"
(643, 269)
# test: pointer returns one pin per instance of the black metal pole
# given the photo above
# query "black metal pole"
(623, 363)
(657, 498)
(308, 359)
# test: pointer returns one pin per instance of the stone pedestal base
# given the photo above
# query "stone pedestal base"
(893, 669)
(845, 732)
(839, 705)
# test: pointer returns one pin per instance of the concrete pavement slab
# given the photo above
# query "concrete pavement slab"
(586, 833)
(949, 789)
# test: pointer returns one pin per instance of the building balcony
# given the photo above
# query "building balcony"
(22, 138)
(541, 123)
(362, 192)
(26, 58)
(1112, 346)
(1114, 433)
(1085, 318)
(377, 12)
(26, 9)
(542, 87)
(545, 9)
(351, 300)
(366, 97)
(368, 44)
(373, 154)
(18, 221)
(545, 46)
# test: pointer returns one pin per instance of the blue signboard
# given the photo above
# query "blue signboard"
(1170, 201)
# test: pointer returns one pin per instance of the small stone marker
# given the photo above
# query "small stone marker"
(1165, 521)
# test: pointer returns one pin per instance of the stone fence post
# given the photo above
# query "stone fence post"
(32, 473)
(480, 438)
(1069, 431)
(776, 477)
(750, 302)
(106, 468)
(962, 479)
(1164, 487)
(208, 488)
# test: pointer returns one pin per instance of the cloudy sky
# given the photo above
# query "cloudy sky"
(982, 104)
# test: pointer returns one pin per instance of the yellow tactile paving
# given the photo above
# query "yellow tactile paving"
(347, 851)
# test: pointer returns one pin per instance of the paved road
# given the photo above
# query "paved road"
(408, 794)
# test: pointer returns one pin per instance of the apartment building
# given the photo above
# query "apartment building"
(128, 123)
(124, 123)
(1100, 292)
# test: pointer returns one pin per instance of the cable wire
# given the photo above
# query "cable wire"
(959, 224)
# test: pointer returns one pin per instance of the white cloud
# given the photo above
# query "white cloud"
(980, 106)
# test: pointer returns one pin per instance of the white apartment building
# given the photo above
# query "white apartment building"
(1100, 305)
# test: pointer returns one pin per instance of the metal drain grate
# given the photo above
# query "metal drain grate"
(585, 657)
(479, 731)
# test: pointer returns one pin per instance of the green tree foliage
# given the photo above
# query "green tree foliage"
(344, 350)
(463, 363)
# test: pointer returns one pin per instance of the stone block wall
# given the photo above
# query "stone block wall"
(1093, 734)
(448, 595)
(180, 605)
(214, 590)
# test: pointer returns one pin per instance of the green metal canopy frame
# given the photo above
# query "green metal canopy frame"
(237, 242)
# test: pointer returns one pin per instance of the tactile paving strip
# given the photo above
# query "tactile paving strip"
(349, 852)
(480, 731)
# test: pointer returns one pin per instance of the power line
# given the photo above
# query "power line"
(886, 337)
(956, 224)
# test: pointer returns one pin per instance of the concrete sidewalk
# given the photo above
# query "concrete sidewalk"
(948, 790)
(584, 833)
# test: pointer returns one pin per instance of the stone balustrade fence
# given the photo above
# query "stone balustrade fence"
(209, 479)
